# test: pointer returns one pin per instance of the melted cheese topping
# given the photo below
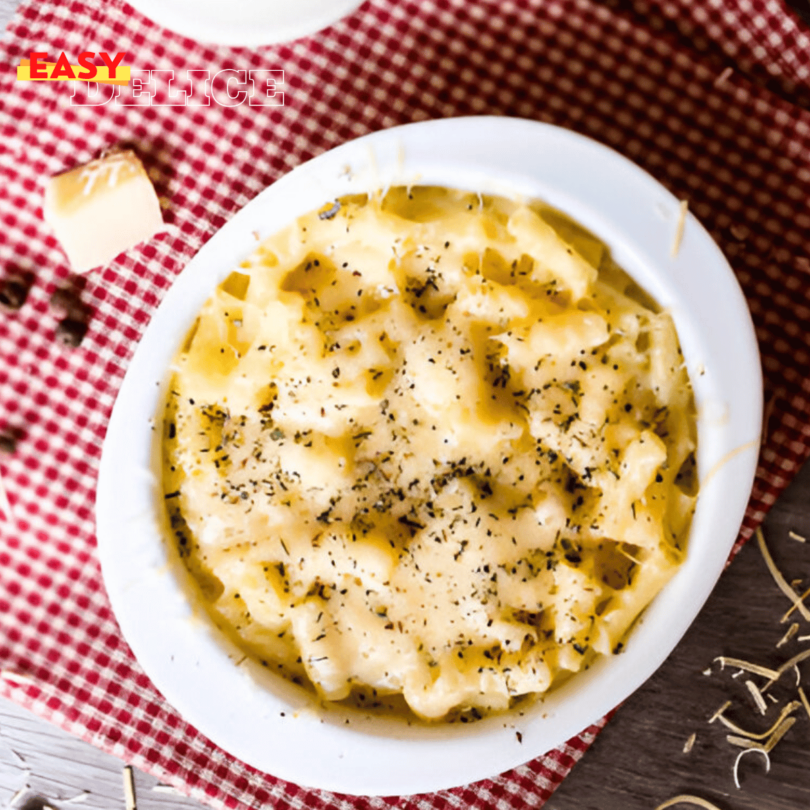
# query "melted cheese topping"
(432, 445)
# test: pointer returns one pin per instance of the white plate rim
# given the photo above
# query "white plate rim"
(579, 176)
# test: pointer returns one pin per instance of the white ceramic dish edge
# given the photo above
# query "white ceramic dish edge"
(247, 23)
(636, 217)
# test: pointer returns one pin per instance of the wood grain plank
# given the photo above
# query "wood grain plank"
(638, 761)
(56, 767)
(7, 9)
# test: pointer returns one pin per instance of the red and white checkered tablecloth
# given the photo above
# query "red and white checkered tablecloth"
(641, 77)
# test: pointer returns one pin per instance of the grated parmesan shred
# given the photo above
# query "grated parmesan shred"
(18, 795)
(687, 799)
(747, 666)
(742, 742)
(22, 681)
(804, 701)
(719, 712)
(723, 77)
(757, 696)
(679, 228)
(795, 584)
(690, 743)
(779, 579)
(739, 232)
(780, 732)
(627, 554)
(797, 659)
(764, 742)
(17, 678)
(129, 788)
(160, 788)
(770, 743)
(752, 735)
(792, 630)
(750, 751)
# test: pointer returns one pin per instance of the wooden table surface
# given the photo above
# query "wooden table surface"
(635, 764)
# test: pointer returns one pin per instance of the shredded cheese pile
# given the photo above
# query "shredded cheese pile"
(762, 742)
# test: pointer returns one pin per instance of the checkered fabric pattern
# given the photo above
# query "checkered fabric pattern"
(759, 36)
(650, 79)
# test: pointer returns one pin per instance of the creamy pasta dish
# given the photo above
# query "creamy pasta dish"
(433, 445)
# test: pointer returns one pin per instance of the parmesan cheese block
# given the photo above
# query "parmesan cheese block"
(102, 209)
(432, 446)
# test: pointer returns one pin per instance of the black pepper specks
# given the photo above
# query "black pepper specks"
(331, 212)
(13, 293)
(70, 332)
